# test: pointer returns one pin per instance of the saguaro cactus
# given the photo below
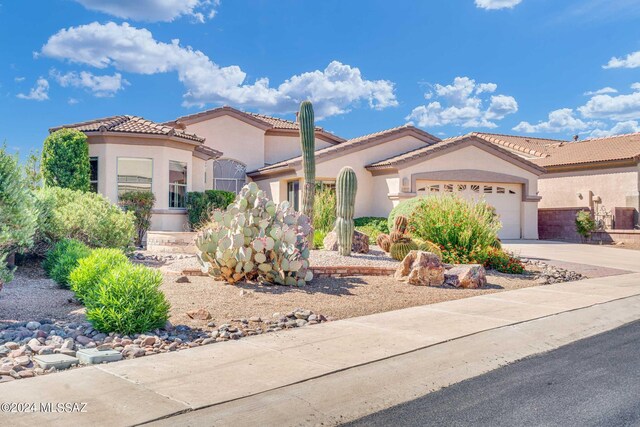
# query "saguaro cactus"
(308, 143)
(346, 188)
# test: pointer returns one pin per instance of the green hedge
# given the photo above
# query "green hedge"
(88, 217)
(405, 207)
(63, 258)
(128, 300)
(200, 205)
(65, 160)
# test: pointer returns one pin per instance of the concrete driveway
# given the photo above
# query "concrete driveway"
(602, 256)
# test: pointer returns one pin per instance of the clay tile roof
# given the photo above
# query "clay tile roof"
(537, 147)
(353, 143)
(128, 124)
(279, 123)
(444, 144)
(611, 148)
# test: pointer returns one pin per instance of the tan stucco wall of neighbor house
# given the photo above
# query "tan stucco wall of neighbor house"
(282, 147)
(109, 149)
(236, 139)
(617, 187)
(198, 174)
(368, 196)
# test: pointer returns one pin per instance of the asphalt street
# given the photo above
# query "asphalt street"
(592, 382)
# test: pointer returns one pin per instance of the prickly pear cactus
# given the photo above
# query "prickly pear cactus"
(256, 240)
(346, 188)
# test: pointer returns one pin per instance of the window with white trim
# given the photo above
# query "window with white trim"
(134, 174)
(93, 177)
(177, 184)
(229, 175)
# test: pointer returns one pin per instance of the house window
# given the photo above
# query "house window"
(229, 175)
(134, 174)
(93, 178)
(434, 188)
(293, 194)
(475, 188)
(325, 185)
(462, 187)
(448, 188)
(488, 189)
(500, 190)
(177, 184)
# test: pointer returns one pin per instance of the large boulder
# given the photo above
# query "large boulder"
(471, 276)
(421, 269)
(360, 242)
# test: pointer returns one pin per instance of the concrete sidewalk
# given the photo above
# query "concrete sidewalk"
(595, 255)
(142, 390)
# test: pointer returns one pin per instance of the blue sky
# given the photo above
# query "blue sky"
(546, 68)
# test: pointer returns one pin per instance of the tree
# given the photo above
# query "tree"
(141, 204)
(65, 160)
(18, 214)
(32, 171)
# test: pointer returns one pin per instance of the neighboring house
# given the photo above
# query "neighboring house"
(601, 174)
(224, 147)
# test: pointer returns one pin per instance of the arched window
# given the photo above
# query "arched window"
(229, 175)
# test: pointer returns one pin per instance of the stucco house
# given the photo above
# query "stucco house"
(222, 148)
(601, 175)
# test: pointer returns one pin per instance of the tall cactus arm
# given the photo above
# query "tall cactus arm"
(346, 188)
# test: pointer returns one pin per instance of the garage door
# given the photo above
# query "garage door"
(505, 198)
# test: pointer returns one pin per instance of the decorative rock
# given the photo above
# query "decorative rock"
(132, 351)
(22, 360)
(58, 361)
(421, 269)
(91, 356)
(148, 341)
(470, 276)
(359, 244)
(33, 325)
(182, 279)
(302, 314)
(26, 374)
(11, 345)
(199, 314)
(83, 340)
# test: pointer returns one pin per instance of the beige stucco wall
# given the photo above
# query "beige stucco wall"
(111, 148)
(280, 147)
(617, 187)
(236, 139)
(197, 174)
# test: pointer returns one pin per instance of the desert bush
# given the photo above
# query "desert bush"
(318, 239)
(405, 208)
(371, 226)
(84, 279)
(503, 262)
(65, 160)
(88, 217)
(128, 300)
(256, 240)
(427, 246)
(324, 210)
(201, 204)
(18, 213)
(585, 225)
(63, 258)
(463, 229)
(140, 203)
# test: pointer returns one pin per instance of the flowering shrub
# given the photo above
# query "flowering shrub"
(503, 262)
(463, 229)
(404, 208)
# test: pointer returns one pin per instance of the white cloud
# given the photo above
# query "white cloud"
(101, 86)
(497, 4)
(635, 86)
(558, 121)
(617, 107)
(462, 105)
(40, 92)
(73, 101)
(620, 128)
(154, 10)
(18, 79)
(334, 90)
(632, 60)
(602, 91)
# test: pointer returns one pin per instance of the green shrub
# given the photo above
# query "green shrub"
(65, 160)
(88, 217)
(463, 229)
(63, 259)
(371, 226)
(585, 225)
(128, 300)
(18, 213)
(140, 203)
(318, 239)
(200, 205)
(84, 278)
(324, 210)
(405, 208)
(497, 259)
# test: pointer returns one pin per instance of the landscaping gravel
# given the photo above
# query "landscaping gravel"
(375, 258)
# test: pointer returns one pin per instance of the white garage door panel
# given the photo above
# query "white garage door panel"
(505, 198)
